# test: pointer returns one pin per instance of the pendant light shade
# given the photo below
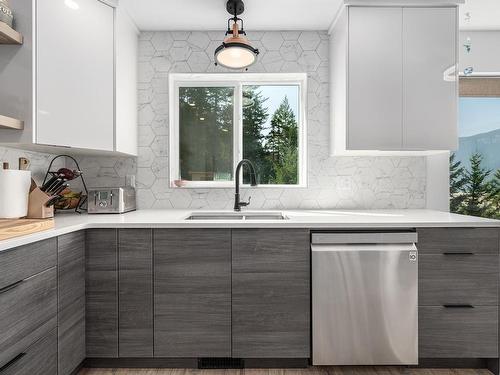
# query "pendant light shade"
(235, 52)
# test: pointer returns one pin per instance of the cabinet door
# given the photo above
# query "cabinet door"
(430, 79)
(27, 260)
(458, 332)
(192, 293)
(40, 358)
(71, 301)
(135, 292)
(75, 74)
(374, 119)
(101, 293)
(271, 293)
(28, 311)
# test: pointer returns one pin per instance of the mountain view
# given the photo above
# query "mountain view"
(487, 144)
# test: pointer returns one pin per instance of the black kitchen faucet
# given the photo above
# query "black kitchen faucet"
(253, 182)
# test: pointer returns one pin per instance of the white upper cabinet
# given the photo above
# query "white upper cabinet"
(126, 48)
(394, 79)
(75, 75)
(430, 97)
(79, 77)
(374, 79)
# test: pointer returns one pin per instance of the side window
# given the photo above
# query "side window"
(475, 166)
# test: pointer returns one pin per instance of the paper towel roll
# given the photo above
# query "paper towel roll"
(14, 193)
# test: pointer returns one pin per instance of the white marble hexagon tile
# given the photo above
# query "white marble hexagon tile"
(347, 182)
(39, 162)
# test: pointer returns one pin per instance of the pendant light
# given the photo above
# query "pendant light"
(235, 52)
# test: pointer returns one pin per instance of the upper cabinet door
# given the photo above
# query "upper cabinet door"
(374, 79)
(430, 79)
(75, 74)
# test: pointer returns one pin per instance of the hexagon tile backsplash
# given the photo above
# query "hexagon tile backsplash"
(341, 182)
(39, 162)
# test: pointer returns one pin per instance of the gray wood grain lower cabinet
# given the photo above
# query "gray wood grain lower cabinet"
(135, 292)
(458, 279)
(458, 240)
(101, 285)
(458, 292)
(71, 301)
(40, 358)
(192, 292)
(458, 332)
(270, 293)
(28, 312)
(24, 261)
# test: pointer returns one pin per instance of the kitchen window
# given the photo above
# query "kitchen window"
(475, 166)
(219, 119)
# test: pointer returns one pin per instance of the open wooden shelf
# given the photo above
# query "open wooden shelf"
(8, 35)
(11, 123)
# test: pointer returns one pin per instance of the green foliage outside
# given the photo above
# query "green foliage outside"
(273, 150)
(206, 136)
(475, 191)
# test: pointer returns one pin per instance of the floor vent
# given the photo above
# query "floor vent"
(220, 363)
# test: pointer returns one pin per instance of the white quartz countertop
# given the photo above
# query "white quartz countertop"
(313, 219)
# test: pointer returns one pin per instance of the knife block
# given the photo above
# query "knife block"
(36, 205)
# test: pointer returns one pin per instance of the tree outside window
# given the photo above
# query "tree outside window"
(216, 123)
(475, 166)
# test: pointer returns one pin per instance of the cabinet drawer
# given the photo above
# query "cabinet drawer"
(28, 312)
(25, 261)
(40, 358)
(458, 332)
(458, 240)
(449, 279)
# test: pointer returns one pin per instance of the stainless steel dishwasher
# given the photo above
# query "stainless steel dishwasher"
(365, 298)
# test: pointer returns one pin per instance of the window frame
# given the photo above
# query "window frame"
(236, 80)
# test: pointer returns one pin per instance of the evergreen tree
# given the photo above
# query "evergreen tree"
(206, 146)
(282, 144)
(457, 184)
(477, 188)
(254, 118)
(494, 197)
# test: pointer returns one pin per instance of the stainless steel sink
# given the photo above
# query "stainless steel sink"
(237, 216)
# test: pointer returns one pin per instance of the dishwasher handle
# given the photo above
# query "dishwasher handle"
(364, 238)
(349, 248)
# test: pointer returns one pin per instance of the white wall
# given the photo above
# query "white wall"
(438, 182)
(485, 53)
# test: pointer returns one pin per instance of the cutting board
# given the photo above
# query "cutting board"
(21, 227)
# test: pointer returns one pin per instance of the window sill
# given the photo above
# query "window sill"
(232, 186)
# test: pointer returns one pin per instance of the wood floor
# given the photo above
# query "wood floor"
(309, 371)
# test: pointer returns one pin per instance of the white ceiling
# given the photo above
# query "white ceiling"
(484, 15)
(212, 15)
(274, 14)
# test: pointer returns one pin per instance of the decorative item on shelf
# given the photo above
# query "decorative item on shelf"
(468, 71)
(7, 34)
(56, 184)
(468, 45)
(235, 52)
(6, 14)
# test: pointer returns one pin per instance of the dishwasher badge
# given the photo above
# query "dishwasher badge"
(413, 256)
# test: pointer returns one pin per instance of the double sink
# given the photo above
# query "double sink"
(251, 215)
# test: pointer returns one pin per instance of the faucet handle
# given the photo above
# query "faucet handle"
(244, 204)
